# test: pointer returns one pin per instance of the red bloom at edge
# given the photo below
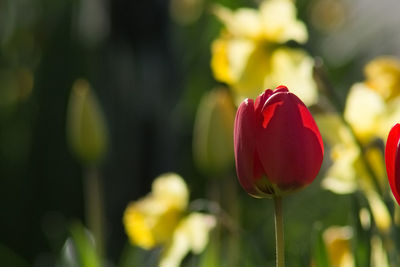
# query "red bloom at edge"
(278, 147)
(392, 160)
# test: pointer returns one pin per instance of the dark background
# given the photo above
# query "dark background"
(148, 71)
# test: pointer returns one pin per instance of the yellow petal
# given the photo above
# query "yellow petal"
(241, 63)
(293, 68)
(191, 234)
(341, 177)
(363, 110)
(389, 117)
(379, 210)
(250, 81)
(242, 23)
(379, 256)
(383, 76)
(171, 189)
(365, 218)
(229, 58)
(338, 243)
(150, 222)
(220, 64)
(279, 22)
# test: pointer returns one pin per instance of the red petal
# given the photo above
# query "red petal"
(261, 99)
(244, 142)
(392, 160)
(397, 174)
(289, 142)
(281, 88)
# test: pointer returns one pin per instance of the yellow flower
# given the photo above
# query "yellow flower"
(158, 220)
(338, 243)
(383, 76)
(363, 110)
(171, 189)
(379, 257)
(373, 106)
(151, 220)
(190, 235)
(293, 68)
(250, 55)
(275, 22)
(278, 18)
(342, 176)
(347, 172)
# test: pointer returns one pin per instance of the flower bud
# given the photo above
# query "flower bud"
(213, 132)
(86, 127)
(278, 147)
(392, 160)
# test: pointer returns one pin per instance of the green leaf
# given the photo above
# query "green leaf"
(319, 252)
(362, 237)
(79, 249)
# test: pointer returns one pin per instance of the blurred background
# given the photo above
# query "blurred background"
(148, 65)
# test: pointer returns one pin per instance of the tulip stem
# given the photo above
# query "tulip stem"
(280, 242)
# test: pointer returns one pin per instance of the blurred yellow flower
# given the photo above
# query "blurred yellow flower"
(171, 189)
(383, 76)
(151, 220)
(338, 244)
(379, 257)
(347, 172)
(191, 234)
(373, 106)
(369, 115)
(342, 176)
(364, 107)
(158, 219)
(275, 21)
(250, 55)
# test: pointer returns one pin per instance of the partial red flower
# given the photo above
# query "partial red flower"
(392, 160)
(278, 147)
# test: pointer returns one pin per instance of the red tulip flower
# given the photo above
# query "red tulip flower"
(278, 147)
(392, 159)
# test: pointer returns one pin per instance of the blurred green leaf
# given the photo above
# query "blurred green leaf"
(131, 256)
(319, 252)
(210, 257)
(362, 237)
(79, 249)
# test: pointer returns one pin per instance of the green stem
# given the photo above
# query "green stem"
(94, 207)
(280, 242)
